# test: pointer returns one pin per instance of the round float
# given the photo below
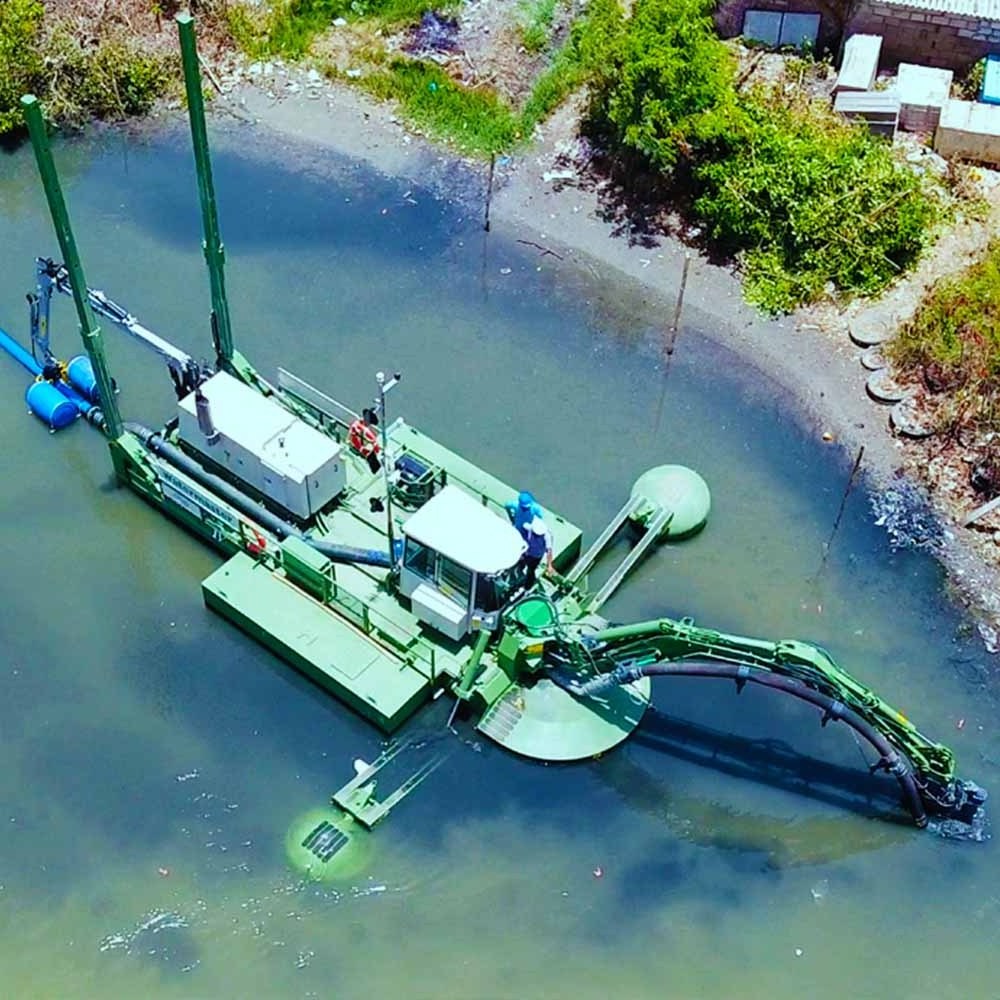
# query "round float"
(325, 844)
(675, 488)
(47, 403)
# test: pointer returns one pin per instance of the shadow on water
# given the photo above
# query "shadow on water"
(774, 763)
(324, 212)
(783, 842)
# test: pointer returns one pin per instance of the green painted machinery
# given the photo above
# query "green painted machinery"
(390, 573)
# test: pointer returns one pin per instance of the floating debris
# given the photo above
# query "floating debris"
(905, 512)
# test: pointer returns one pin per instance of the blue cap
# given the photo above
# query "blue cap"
(525, 499)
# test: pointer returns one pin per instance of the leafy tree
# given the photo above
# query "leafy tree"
(667, 68)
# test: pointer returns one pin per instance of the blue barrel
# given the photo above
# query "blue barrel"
(49, 404)
(81, 376)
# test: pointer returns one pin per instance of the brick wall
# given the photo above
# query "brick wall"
(909, 34)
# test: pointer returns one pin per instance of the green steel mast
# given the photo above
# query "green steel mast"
(90, 332)
(215, 254)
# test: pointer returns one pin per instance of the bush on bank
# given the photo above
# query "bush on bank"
(20, 58)
(952, 345)
(805, 201)
(39, 54)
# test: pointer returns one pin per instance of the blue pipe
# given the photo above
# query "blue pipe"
(19, 354)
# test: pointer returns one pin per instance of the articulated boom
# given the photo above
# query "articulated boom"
(668, 640)
(667, 647)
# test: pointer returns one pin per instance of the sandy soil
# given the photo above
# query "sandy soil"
(549, 196)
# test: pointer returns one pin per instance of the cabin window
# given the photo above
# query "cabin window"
(491, 592)
(419, 559)
(454, 580)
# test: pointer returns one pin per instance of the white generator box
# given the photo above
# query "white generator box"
(259, 442)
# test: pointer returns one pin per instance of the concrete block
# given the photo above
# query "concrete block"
(969, 130)
(922, 91)
(860, 63)
(879, 108)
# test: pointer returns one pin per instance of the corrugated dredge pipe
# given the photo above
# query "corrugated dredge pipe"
(889, 758)
(154, 441)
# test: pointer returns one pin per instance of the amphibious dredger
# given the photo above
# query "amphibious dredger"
(386, 568)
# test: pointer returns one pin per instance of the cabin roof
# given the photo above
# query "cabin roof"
(463, 530)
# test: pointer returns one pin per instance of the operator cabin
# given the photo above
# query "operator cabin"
(460, 561)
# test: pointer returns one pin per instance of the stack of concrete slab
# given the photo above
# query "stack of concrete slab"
(923, 91)
(969, 130)
(860, 63)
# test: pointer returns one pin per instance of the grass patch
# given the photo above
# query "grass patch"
(477, 121)
(288, 28)
(535, 19)
(952, 344)
(474, 121)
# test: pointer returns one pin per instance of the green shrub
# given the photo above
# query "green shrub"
(808, 200)
(667, 68)
(20, 59)
(112, 80)
(804, 200)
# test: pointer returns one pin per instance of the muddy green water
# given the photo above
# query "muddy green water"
(742, 850)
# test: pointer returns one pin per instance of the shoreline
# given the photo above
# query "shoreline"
(808, 353)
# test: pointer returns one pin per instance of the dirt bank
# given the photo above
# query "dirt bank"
(550, 197)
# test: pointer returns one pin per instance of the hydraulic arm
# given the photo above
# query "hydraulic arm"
(591, 663)
(50, 276)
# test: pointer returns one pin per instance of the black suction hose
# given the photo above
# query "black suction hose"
(154, 441)
(889, 758)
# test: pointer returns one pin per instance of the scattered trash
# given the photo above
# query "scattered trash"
(163, 872)
(827, 436)
(339, 22)
(990, 636)
(598, 872)
(558, 175)
(435, 33)
(798, 953)
(960, 724)
(820, 890)
(505, 270)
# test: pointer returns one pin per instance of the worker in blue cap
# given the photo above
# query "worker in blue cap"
(523, 512)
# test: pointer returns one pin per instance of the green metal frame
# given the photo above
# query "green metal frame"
(90, 332)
